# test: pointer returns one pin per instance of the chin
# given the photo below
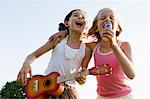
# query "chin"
(79, 30)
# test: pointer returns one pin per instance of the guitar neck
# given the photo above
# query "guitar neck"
(65, 78)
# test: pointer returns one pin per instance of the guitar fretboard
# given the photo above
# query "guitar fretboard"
(64, 78)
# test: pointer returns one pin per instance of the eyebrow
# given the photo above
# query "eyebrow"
(78, 13)
(105, 16)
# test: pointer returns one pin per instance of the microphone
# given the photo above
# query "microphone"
(108, 25)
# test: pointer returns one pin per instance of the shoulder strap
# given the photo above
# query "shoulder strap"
(95, 49)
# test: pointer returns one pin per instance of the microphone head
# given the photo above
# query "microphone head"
(108, 26)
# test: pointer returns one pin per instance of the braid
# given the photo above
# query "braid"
(62, 27)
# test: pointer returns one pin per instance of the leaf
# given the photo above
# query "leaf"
(12, 90)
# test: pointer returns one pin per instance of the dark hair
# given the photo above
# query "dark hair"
(62, 25)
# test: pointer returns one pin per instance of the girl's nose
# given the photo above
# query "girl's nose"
(80, 16)
(108, 19)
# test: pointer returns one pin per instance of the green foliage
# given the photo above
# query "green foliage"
(12, 90)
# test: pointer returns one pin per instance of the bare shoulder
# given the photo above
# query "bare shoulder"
(125, 46)
(91, 45)
(88, 50)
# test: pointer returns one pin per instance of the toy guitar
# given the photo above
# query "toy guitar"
(52, 83)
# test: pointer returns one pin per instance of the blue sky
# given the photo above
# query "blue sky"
(25, 25)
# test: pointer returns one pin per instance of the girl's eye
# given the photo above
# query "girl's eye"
(75, 15)
(83, 17)
(112, 18)
(102, 18)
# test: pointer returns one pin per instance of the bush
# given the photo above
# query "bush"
(12, 90)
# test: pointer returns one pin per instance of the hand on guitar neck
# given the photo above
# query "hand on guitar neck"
(52, 83)
(102, 70)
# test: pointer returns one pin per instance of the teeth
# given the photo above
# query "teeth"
(79, 24)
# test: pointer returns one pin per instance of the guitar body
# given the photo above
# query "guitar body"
(39, 85)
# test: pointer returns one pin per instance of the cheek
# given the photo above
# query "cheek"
(99, 27)
(70, 24)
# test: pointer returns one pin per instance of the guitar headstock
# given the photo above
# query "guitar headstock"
(101, 70)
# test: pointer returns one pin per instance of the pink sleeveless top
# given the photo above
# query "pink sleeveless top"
(115, 84)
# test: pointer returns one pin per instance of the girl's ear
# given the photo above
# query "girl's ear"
(119, 29)
(66, 23)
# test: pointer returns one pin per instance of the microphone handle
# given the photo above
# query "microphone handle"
(107, 26)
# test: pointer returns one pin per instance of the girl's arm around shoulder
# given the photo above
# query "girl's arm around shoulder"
(79, 77)
(59, 35)
(50, 44)
(30, 58)
(88, 55)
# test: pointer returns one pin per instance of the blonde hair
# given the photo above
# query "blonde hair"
(93, 29)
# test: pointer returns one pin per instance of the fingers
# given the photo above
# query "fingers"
(18, 77)
(30, 73)
(56, 36)
(51, 38)
(22, 77)
(107, 69)
(58, 39)
(108, 34)
(80, 78)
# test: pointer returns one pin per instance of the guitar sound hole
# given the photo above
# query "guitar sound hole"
(47, 83)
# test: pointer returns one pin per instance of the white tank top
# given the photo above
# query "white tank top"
(66, 60)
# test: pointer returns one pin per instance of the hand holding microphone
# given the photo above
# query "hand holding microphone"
(107, 25)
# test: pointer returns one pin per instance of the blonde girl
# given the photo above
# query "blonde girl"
(108, 50)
